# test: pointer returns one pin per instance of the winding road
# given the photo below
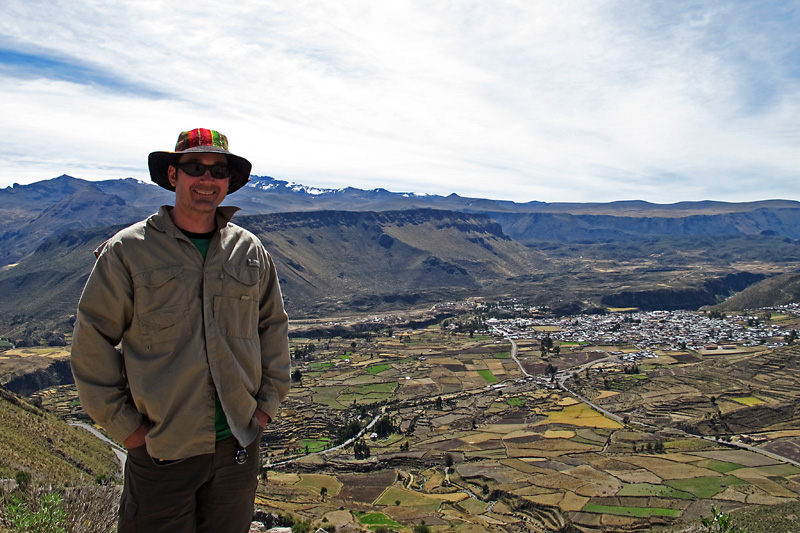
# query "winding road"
(564, 376)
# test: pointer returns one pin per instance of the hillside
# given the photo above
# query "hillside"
(778, 290)
(366, 260)
(569, 227)
(48, 448)
(356, 250)
(327, 261)
(31, 213)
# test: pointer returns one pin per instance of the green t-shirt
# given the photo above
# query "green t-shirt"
(202, 241)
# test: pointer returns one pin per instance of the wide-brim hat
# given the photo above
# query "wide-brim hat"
(199, 140)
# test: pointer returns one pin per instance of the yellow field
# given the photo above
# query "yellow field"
(580, 415)
(748, 400)
(554, 434)
(54, 351)
(317, 481)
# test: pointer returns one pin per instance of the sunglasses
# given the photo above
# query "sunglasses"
(196, 170)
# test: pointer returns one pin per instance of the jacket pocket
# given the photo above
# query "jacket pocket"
(161, 304)
(236, 313)
(166, 324)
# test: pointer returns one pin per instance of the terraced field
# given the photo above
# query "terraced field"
(522, 454)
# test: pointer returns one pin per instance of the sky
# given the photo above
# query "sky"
(523, 100)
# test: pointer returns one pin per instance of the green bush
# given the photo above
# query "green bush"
(46, 515)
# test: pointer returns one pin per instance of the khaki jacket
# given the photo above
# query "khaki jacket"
(159, 332)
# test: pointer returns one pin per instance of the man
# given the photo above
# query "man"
(180, 349)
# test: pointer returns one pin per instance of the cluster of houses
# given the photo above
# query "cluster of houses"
(652, 330)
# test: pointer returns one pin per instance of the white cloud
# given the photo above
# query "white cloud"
(553, 101)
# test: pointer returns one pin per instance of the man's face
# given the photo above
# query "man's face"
(202, 194)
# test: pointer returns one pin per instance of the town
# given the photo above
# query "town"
(656, 330)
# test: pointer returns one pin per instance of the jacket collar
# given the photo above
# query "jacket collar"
(163, 222)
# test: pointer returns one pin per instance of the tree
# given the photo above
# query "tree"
(385, 427)
(448, 460)
(551, 371)
(350, 430)
(323, 492)
(297, 376)
(547, 343)
(448, 464)
(360, 449)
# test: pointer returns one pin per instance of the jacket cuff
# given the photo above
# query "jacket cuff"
(269, 407)
(124, 424)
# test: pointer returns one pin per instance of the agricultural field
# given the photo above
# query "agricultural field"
(481, 439)
(481, 446)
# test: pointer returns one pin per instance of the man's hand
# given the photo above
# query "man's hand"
(136, 438)
(263, 418)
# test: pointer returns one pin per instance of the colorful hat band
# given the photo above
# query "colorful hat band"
(201, 137)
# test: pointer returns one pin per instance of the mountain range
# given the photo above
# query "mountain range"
(368, 250)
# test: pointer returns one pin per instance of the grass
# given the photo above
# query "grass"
(517, 401)
(377, 369)
(648, 489)
(638, 512)
(52, 451)
(488, 376)
(705, 486)
(374, 388)
(315, 445)
(723, 467)
(502, 355)
(328, 395)
(377, 519)
(318, 481)
(408, 498)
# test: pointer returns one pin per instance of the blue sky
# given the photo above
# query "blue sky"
(522, 100)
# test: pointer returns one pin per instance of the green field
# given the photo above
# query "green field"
(648, 489)
(377, 369)
(373, 520)
(488, 376)
(704, 486)
(315, 445)
(639, 512)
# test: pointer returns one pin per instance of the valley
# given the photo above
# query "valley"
(464, 364)
(481, 424)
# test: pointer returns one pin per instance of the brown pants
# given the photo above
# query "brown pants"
(202, 494)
